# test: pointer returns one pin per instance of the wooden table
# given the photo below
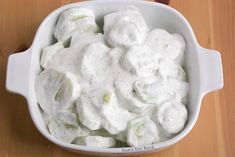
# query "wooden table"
(214, 133)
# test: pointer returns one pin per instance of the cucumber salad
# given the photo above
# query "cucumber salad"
(117, 86)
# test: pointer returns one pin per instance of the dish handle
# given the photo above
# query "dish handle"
(18, 72)
(211, 70)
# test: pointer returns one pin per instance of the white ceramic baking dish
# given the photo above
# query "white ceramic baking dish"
(203, 66)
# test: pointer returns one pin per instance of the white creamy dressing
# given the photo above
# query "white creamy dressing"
(142, 131)
(125, 85)
(75, 20)
(56, 90)
(168, 68)
(64, 127)
(141, 60)
(166, 45)
(171, 116)
(49, 52)
(155, 90)
(95, 63)
(69, 59)
(125, 28)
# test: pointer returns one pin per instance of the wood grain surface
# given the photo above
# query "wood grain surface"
(213, 22)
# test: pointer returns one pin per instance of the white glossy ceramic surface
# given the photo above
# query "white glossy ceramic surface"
(203, 66)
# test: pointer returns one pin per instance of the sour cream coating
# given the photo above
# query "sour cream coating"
(125, 86)
(124, 90)
(95, 64)
(169, 69)
(99, 141)
(125, 28)
(168, 46)
(64, 126)
(156, 90)
(115, 117)
(171, 116)
(101, 110)
(49, 52)
(69, 59)
(56, 90)
(141, 60)
(75, 20)
(79, 40)
(141, 131)
(87, 113)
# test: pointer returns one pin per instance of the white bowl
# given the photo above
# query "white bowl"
(203, 66)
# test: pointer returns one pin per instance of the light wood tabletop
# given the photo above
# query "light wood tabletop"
(213, 22)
